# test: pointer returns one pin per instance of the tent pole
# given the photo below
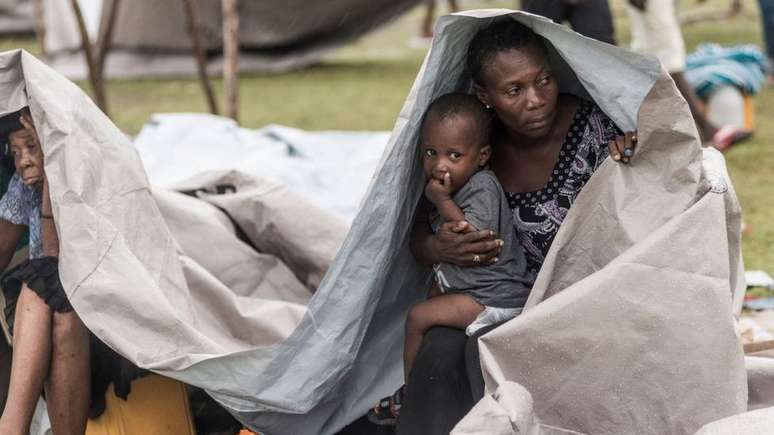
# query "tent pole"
(40, 25)
(94, 75)
(192, 18)
(231, 57)
(105, 37)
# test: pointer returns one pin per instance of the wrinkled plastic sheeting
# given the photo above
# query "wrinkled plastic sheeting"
(760, 421)
(376, 261)
(606, 344)
(346, 351)
(331, 169)
(137, 285)
(509, 411)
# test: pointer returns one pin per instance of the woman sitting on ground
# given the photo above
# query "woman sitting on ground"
(50, 343)
(545, 147)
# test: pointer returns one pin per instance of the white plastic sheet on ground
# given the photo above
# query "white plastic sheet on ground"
(636, 337)
(330, 168)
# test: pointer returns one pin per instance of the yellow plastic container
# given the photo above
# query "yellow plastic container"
(156, 406)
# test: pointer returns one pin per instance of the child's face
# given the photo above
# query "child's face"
(452, 145)
(27, 156)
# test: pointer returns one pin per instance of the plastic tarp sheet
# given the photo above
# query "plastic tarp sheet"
(332, 169)
(624, 255)
(169, 281)
(619, 270)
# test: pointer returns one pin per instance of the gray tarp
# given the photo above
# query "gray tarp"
(151, 38)
(164, 280)
(126, 276)
(627, 213)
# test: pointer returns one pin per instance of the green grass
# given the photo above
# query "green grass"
(363, 86)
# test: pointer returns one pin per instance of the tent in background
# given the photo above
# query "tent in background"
(151, 39)
(16, 17)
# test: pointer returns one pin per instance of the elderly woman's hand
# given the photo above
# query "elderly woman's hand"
(458, 243)
(622, 148)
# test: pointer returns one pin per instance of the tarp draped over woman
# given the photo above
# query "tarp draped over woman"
(640, 277)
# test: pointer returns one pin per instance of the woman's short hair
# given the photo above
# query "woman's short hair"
(502, 35)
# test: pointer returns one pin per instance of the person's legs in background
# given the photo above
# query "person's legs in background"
(552, 9)
(592, 18)
(767, 18)
(426, 32)
(656, 31)
(427, 24)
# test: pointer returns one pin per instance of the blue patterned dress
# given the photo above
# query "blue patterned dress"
(21, 206)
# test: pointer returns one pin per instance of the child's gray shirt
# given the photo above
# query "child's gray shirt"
(500, 285)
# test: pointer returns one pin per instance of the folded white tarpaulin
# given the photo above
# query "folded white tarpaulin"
(642, 243)
(330, 168)
(163, 278)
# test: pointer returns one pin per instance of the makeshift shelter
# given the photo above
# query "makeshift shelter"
(641, 242)
(16, 17)
(151, 38)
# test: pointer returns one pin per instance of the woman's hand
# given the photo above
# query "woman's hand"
(458, 243)
(622, 148)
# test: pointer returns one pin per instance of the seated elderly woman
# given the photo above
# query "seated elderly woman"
(545, 147)
(51, 349)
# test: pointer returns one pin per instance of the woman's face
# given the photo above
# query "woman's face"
(27, 156)
(521, 88)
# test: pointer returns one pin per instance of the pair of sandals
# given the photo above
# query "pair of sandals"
(386, 412)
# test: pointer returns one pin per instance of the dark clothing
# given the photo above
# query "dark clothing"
(500, 285)
(767, 18)
(42, 277)
(590, 18)
(537, 215)
(446, 378)
(444, 384)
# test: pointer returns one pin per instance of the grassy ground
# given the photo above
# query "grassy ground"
(363, 86)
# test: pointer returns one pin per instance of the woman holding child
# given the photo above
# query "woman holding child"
(544, 148)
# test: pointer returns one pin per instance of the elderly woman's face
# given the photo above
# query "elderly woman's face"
(27, 156)
(521, 88)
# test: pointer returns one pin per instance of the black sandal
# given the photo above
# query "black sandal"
(386, 412)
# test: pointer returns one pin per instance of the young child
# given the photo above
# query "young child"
(454, 141)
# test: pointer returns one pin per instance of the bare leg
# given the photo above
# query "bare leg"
(456, 310)
(30, 361)
(68, 389)
(706, 128)
(427, 24)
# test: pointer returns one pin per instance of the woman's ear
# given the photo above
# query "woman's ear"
(484, 154)
(482, 95)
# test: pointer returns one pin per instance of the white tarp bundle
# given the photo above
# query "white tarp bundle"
(330, 168)
(643, 243)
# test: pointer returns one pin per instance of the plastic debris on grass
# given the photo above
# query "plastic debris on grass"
(760, 290)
